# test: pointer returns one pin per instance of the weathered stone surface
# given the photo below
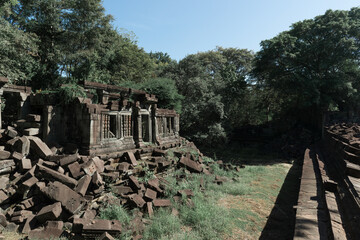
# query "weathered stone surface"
(40, 147)
(83, 185)
(11, 132)
(75, 170)
(52, 230)
(52, 174)
(150, 209)
(22, 146)
(154, 183)
(4, 180)
(67, 159)
(82, 225)
(123, 167)
(4, 155)
(97, 179)
(89, 167)
(69, 199)
(29, 225)
(106, 236)
(31, 131)
(162, 202)
(134, 182)
(25, 164)
(191, 165)
(122, 190)
(89, 214)
(3, 221)
(137, 200)
(150, 194)
(6, 163)
(131, 158)
(99, 164)
(17, 156)
(49, 213)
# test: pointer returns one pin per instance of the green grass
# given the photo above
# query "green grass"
(237, 209)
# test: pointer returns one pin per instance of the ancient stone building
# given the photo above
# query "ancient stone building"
(121, 119)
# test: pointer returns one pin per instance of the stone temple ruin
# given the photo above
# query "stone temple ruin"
(60, 164)
(122, 120)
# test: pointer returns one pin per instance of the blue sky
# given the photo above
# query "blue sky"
(182, 27)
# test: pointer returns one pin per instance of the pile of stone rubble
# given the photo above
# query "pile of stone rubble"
(48, 192)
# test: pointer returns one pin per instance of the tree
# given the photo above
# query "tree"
(42, 18)
(313, 65)
(77, 42)
(18, 54)
(212, 83)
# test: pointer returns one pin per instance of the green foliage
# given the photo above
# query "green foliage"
(164, 224)
(206, 217)
(166, 92)
(77, 42)
(213, 84)
(312, 65)
(18, 54)
(115, 212)
(69, 92)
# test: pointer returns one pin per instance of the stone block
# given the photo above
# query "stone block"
(119, 190)
(52, 230)
(40, 148)
(17, 156)
(137, 200)
(75, 170)
(3, 196)
(6, 163)
(50, 174)
(4, 181)
(3, 221)
(96, 226)
(89, 167)
(99, 164)
(69, 199)
(150, 194)
(89, 214)
(155, 184)
(49, 213)
(25, 164)
(11, 132)
(134, 182)
(83, 185)
(106, 236)
(4, 155)
(97, 179)
(31, 131)
(162, 202)
(131, 158)
(123, 167)
(68, 159)
(150, 209)
(191, 165)
(159, 152)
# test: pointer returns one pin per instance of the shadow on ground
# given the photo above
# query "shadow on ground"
(281, 222)
(246, 154)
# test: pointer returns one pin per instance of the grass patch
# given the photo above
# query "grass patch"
(164, 225)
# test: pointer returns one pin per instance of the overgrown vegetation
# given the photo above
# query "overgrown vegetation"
(237, 209)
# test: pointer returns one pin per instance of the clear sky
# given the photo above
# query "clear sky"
(182, 27)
